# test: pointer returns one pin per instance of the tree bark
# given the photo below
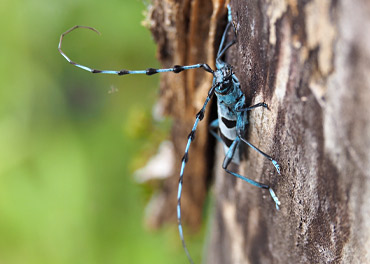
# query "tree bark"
(310, 62)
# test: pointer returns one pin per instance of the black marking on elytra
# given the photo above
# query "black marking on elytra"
(226, 140)
(228, 123)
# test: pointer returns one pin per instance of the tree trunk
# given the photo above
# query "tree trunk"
(310, 62)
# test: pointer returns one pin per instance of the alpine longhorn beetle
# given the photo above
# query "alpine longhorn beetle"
(232, 112)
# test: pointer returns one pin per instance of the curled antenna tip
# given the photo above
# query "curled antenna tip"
(69, 31)
(91, 28)
(78, 26)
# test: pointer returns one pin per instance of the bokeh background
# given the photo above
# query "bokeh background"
(70, 140)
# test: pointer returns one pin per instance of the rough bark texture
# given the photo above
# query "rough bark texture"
(310, 62)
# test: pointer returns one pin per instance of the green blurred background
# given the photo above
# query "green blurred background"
(68, 145)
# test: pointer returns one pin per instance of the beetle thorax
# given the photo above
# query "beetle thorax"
(223, 76)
